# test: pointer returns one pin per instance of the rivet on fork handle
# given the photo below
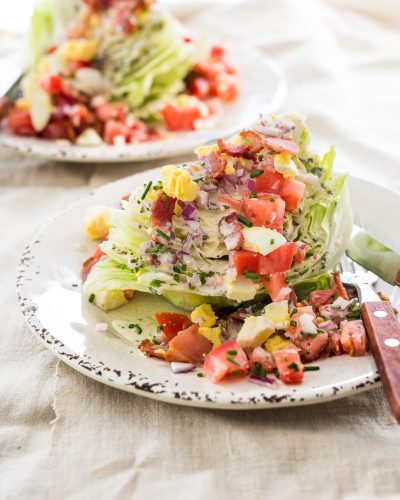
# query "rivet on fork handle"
(384, 336)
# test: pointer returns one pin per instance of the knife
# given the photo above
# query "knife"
(374, 256)
(383, 332)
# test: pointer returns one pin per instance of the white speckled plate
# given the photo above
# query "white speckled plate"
(65, 323)
(262, 88)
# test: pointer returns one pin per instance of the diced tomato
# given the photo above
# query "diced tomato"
(270, 181)
(317, 298)
(225, 199)
(312, 347)
(180, 119)
(98, 4)
(51, 83)
(188, 346)
(260, 359)
(292, 192)
(227, 359)
(299, 253)
(114, 129)
(266, 210)
(172, 323)
(126, 197)
(353, 337)
(244, 260)
(275, 284)
(200, 87)
(277, 261)
(110, 111)
(282, 145)
(20, 123)
(336, 346)
(90, 262)
(225, 87)
(217, 53)
(339, 285)
(289, 366)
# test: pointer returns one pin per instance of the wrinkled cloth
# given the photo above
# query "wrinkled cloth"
(64, 436)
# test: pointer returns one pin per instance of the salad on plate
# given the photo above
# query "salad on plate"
(116, 72)
(245, 239)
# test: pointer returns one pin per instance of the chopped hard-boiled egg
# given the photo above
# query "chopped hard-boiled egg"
(212, 334)
(241, 289)
(262, 239)
(307, 325)
(206, 150)
(285, 165)
(178, 184)
(204, 316)
(98, 222)
(78, 50)
(255, 331)
(278, 313)
(89, 137)
(110, 299)
(276, 343)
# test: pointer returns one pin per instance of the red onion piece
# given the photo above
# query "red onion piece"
(179, 367)
(268, 382)
(251, 184)
(188, 211)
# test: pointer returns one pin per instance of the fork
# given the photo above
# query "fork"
(382, 328)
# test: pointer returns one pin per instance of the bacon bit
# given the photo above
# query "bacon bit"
(188, 346)
(231, 230)
(225, 199)
(281, 145)
(339, 285)
(252, 144)
(217, 165)
(129, 294)
(318, 298)
(162, 211)
(311, 348)
(151, 349)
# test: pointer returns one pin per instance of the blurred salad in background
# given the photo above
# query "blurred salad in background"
(116, 71)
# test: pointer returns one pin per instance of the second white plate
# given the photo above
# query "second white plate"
(262, 90)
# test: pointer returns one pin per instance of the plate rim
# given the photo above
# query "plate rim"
(166, 149)
(101, 373)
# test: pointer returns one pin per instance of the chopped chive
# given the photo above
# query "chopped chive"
(276, 373)
(155, 249)
(156, 283)
(259, 370)
(271, 241)
(176, 277)
(74, 284)
(293, 323)
(256, 173)
(146, 190)
(253, 195)
(311, 368)
(176, 269)
(183, 266)
(164, 197)
(189, 273)
(231, 360)
(135, 326)
(91, 297)
(293, 312)
(162, 234)
(200, 375)
(192, 287)
(250, 275)
(260, 157)
(293, 366)
(244, 221)
(272, 199)
(159, 328)
(257, 308)
(232, 352)
(155, 341)
(246, 142)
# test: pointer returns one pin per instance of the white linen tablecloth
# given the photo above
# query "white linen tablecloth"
(65, 436)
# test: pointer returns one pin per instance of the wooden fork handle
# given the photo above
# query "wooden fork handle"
(384, 336)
